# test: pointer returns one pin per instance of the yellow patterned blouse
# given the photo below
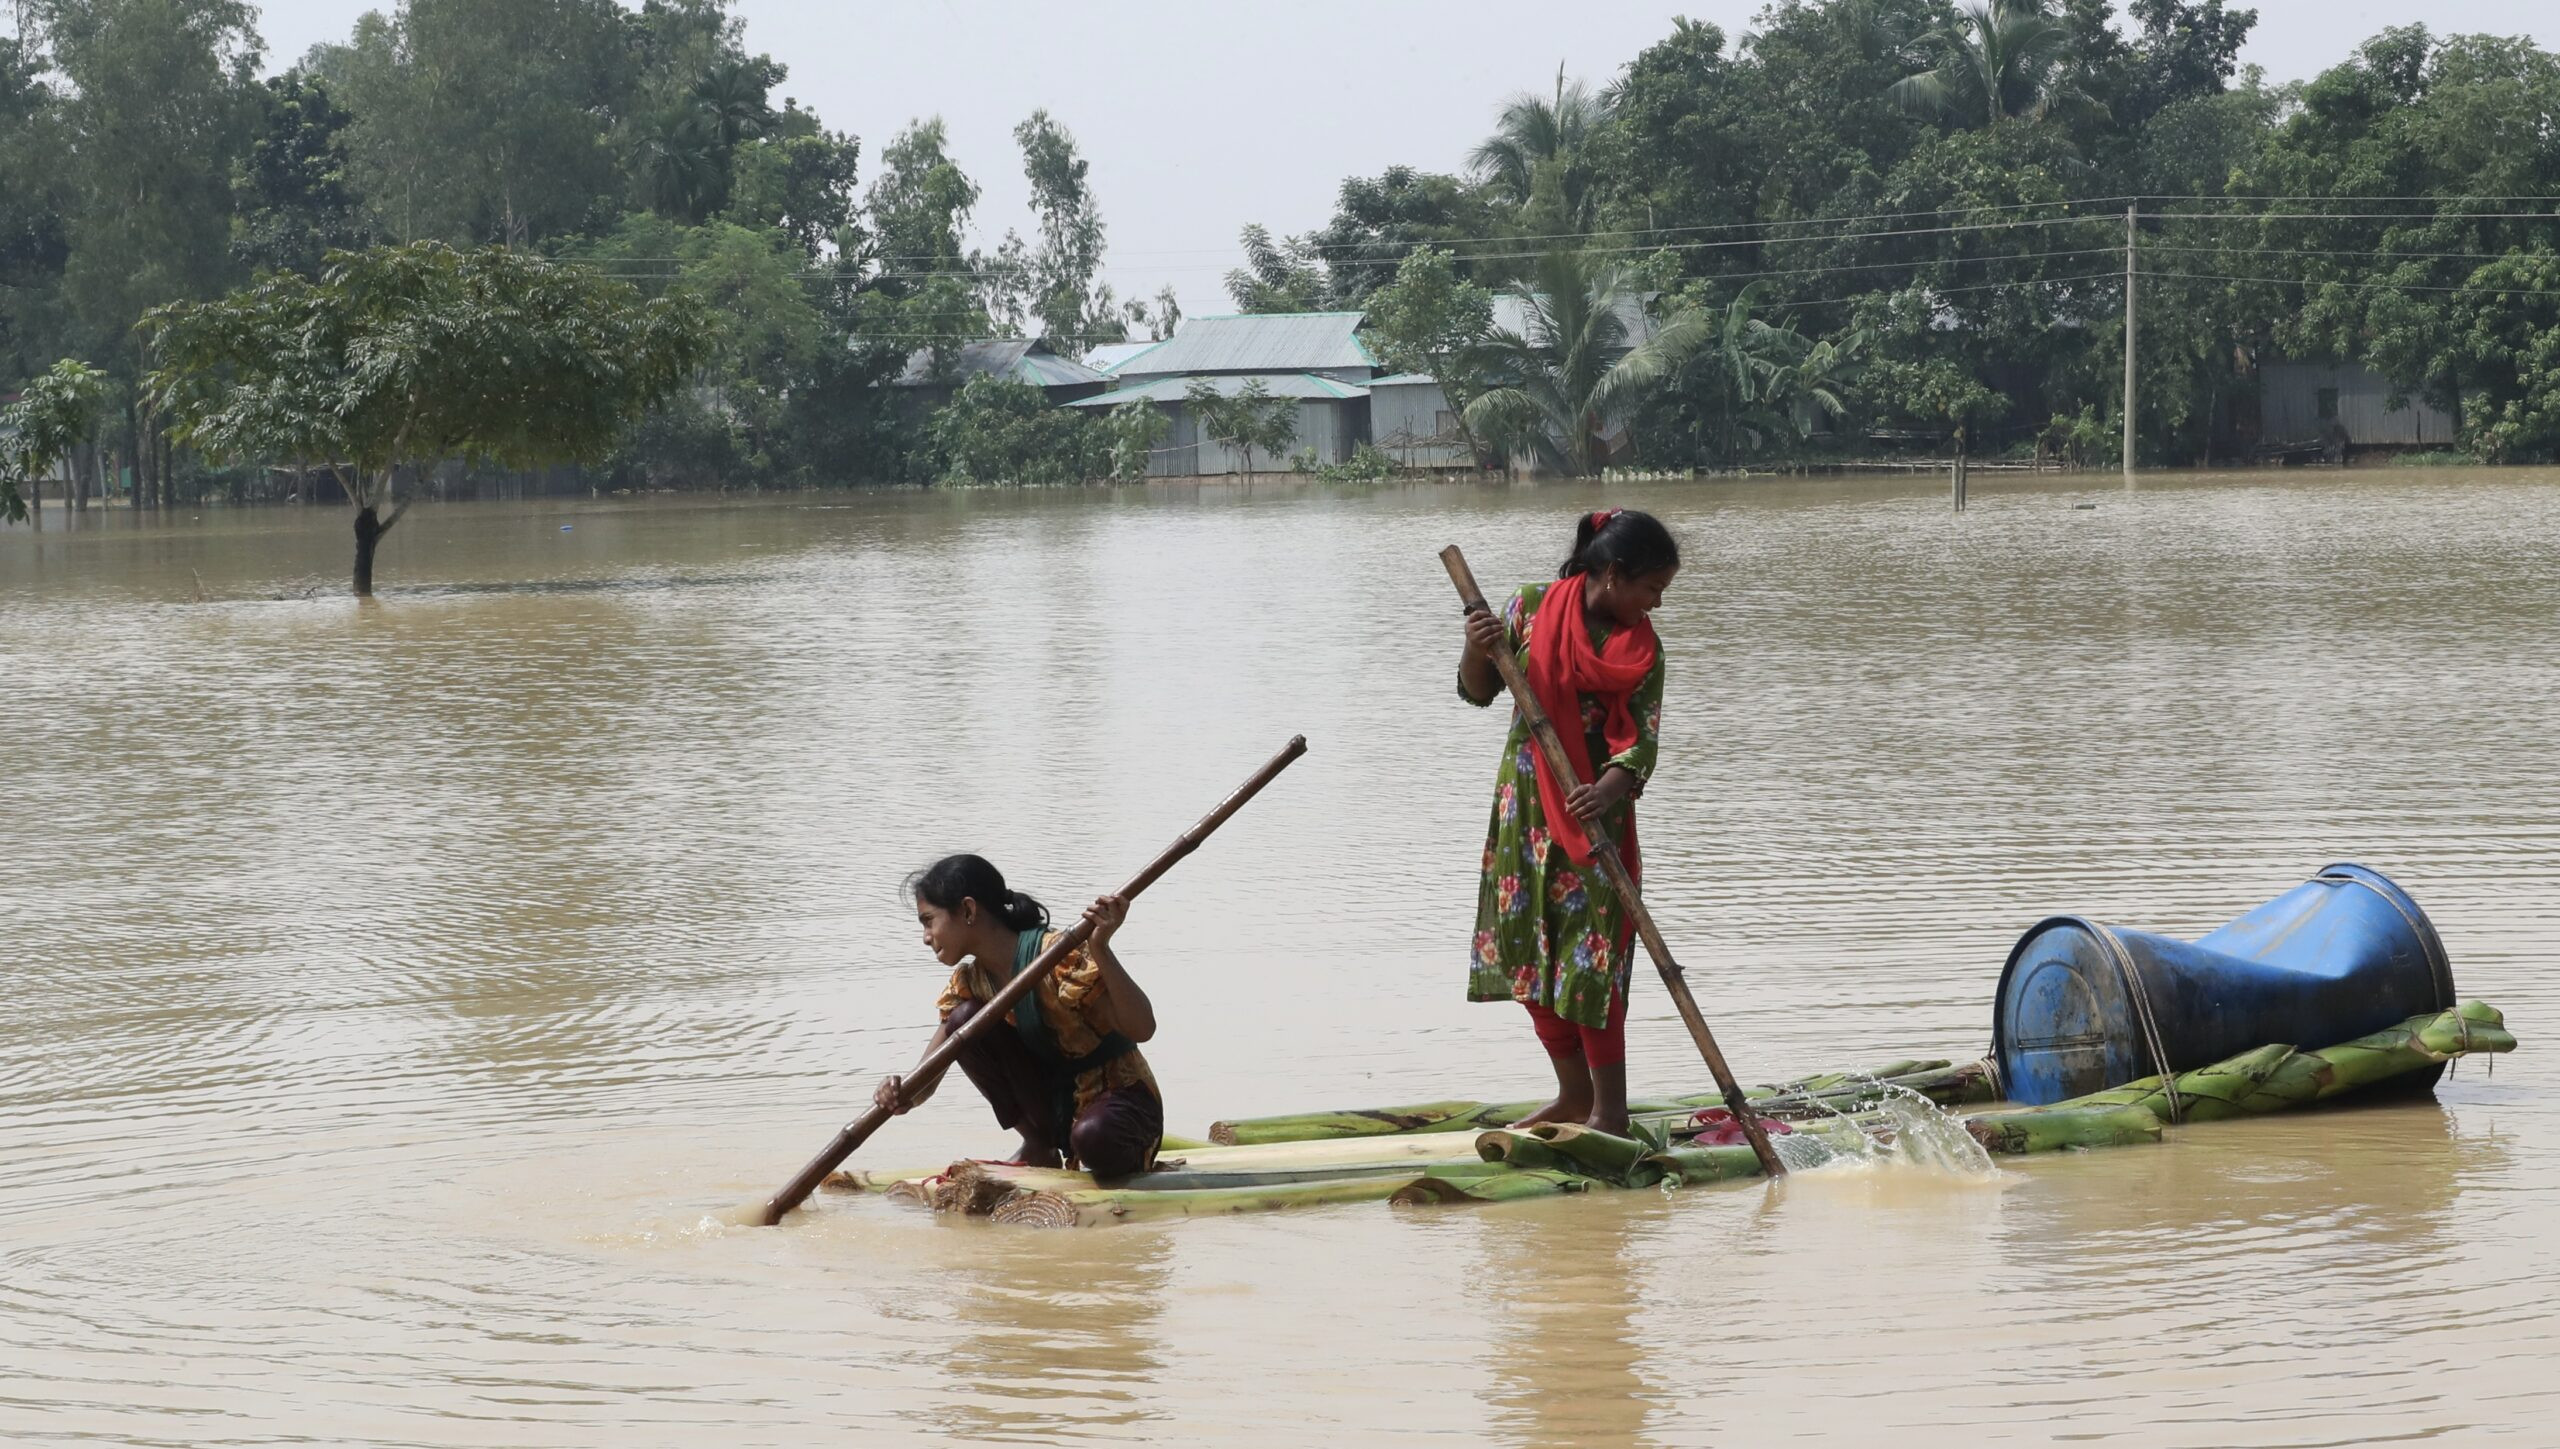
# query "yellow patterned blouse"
(1076, 1004)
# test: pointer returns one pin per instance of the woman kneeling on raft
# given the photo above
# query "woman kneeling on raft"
(1068, 1076)
(1551, 933)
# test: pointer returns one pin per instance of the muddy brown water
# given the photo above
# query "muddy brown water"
(397, 996)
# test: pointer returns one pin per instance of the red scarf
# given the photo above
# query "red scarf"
(1563, 666)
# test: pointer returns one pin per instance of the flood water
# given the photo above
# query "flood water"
(398, 996)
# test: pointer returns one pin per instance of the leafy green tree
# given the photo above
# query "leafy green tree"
(53, 416)
(35, 201)
(1936, 395)
(1249, 419)
(486, 120)
(920, 206)
(1428, 319)
(150, 184)
(1130, 433)
(763, 335)
(799, 181)
(996, 431)
(295, 201)
(1062, 274)
(1995, 61)
(1378, 220)
(1278, 276)
(401, 357)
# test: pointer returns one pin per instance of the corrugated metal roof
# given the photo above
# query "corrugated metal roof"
(1267, 342)
(1111, 354)
(1405, 379)
(1228, 384)
(1015, 359)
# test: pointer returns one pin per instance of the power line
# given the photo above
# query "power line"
(2354, 286)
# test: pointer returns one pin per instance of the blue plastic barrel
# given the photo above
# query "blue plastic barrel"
(2085, 1006)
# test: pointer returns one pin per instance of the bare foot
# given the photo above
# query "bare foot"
(1601, 1122)
(1034, 1153)
(1559, 1110)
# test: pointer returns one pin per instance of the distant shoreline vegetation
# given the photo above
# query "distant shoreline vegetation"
(1854, 232)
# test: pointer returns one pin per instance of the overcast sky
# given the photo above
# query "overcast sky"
(1199, 118)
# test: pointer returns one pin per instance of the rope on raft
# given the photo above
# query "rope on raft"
(2141, 997)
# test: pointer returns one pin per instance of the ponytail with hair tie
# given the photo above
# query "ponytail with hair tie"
(1621, 538)
(955, 879)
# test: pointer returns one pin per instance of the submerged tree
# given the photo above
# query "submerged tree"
(401, 357)
(1248, 420)
(52, 417)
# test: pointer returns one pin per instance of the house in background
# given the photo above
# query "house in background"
(1316, 359)
(2342, 405)
(1411, 422)
(1014, 359)
(1109, 355)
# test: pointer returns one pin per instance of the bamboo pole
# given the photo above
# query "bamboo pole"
(1605, 852)
(997, 1009)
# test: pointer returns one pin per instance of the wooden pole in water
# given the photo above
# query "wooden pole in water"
(999, 1007)
(2128, 344)
(1604, 852)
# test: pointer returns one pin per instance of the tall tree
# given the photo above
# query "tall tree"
(799, 180)
(150, 213)
(1539, 155)
(35, 202)
(920, 206)
(401, 357)
(486, 120)
(296, 202)
(1063, 273)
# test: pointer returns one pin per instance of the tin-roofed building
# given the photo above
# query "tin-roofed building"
(1014, 359)
(1108, 355)
(1315, 358)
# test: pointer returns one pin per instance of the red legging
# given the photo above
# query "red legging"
(1597, 1046)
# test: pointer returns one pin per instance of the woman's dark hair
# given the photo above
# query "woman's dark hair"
(1633, 543)
(956, 878)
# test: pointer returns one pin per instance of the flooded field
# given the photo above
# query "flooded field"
(400, 996)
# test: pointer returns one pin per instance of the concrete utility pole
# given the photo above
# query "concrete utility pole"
(2128, 344)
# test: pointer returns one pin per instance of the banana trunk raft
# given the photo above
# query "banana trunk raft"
(1469, 1152)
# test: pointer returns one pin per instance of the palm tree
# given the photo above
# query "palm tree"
(1572, 369)
(1996, 61)
(1540, 140)
(682, 163)
(732, 94)
(1745, 360)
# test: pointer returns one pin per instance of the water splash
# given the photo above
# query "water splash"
(1889, 1126)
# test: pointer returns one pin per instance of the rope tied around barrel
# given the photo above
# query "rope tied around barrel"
(2140, 994)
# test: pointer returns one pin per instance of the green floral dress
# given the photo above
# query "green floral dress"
(1550, 933)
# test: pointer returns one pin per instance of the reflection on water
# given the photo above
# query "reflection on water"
(395, 992)
(1559, 1286)
(1058, 1335)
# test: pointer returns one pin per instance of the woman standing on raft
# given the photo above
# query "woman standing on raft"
(1551, 933)
(1068, 1076)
